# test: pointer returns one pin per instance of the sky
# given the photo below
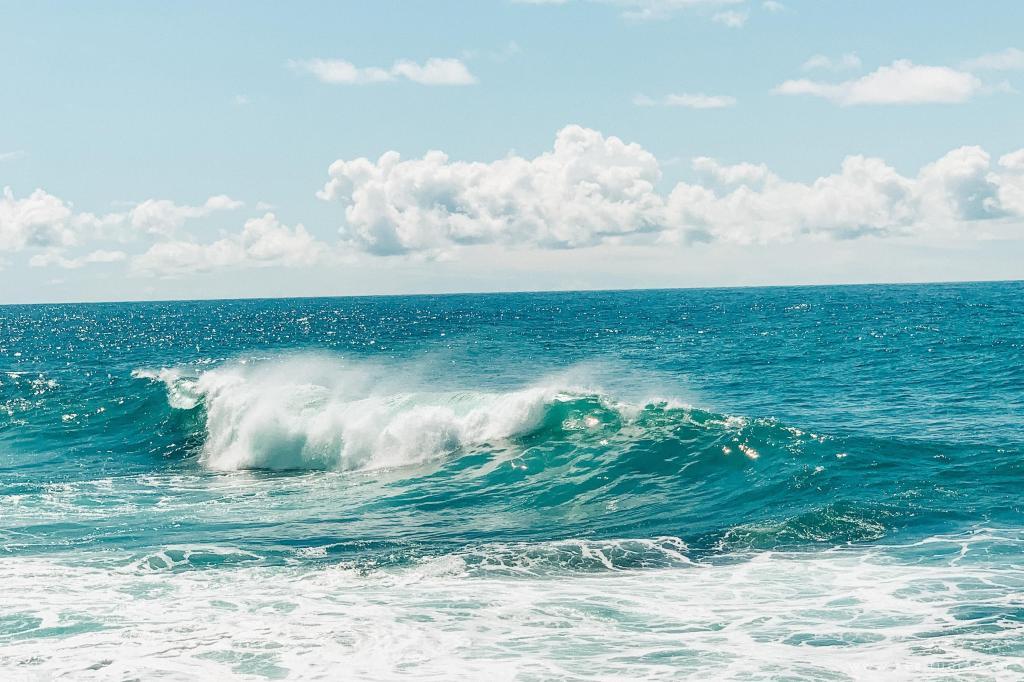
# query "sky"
(154, 150)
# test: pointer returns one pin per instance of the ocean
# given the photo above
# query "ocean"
(807, 483)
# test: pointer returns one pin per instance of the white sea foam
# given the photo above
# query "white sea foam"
(852, 614)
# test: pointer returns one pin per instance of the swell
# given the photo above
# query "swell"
(560, 460)
(372, 461)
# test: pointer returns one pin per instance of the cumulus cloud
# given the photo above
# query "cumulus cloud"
(590, 188)
(47, 223)
(262, 242)
(687, 100)
(162, 217)
(587, 188)
(1010, 181)
(960, 186)
(38, 220)
(1010, 59)
(846, 62)
(746, 203)
(903, 82)
(714, 174)
(434, 71)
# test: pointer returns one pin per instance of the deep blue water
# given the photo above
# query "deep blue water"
(640, 447)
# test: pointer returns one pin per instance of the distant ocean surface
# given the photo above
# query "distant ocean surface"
(780, 483)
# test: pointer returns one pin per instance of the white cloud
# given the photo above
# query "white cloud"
(434, 71)
(688, 100)
(713, 174)
(1011, 182)
(847, 62)
(700, 101)
(38, 220)
(748, 204)
(730, 18)
(773, 6)
(55, 258)
(108, 226)
(901, 83)
(1010, 59)
(960, 186)
(501, 55)
(587, 188)
(337, 71)
(647, 9)
(262, 242)
(43, 221)
(591, 189)
(1013, 161)
(12, 156)
(161, 217)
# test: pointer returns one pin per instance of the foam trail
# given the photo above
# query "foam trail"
(859, 614)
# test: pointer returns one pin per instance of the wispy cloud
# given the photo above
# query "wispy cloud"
(902, 82)
(509, 51)
(731, 18)
(819, 62)
(54, 258)
(434, 71)
(652, 9)
(1010, 59)
(687, 100)
(12, 156)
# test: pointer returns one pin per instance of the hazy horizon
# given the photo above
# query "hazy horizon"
(524, 291)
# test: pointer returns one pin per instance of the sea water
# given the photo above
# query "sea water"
(779, 483)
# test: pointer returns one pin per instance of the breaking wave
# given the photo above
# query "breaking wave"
(322, 415)
(559, 459)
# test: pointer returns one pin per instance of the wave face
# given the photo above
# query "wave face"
(522, 486)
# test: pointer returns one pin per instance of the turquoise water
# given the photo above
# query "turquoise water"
(784, 483)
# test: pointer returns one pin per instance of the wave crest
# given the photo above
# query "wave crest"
(316, 414)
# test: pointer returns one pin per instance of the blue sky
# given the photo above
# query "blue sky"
(165, 150)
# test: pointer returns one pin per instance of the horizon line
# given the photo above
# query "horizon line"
(519, 292)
